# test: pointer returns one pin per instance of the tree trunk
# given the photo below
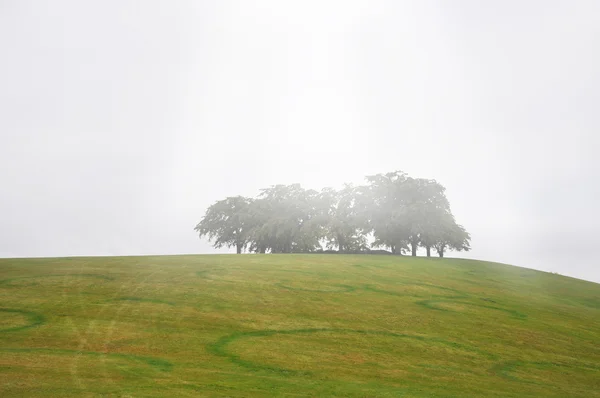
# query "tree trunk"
(428, 250)
(340, 245)
(238, 248)
(441, 252)
(413, 249)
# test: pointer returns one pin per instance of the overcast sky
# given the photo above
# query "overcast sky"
(122, 121)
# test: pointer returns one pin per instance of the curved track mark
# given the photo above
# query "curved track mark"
(144, 300)
(338, 288)
(458, 294)
(505, 369)
(7, 282)
(34, 320)
(220, 346)
(155, 363)
(431, 304)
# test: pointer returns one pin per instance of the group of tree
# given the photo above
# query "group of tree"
(392, 211)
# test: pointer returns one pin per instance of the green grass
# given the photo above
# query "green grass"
(294, 325)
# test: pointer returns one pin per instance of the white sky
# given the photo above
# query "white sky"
(121, 121)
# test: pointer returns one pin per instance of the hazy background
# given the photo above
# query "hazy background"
(121, 121)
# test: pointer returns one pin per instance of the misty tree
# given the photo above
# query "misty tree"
(226, 223)
(452, 236)
(344, 226)
(288, 220)
(427, 208)
(383, 203)
(393, 210)
(407, 213)
(258, 234)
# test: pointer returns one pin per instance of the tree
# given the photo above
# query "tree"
(406, 212)
(343, 226)
(258, 235)
(227, 223)
(383, 202)
(285, 220)
(402, 213)
(451, 236)
(427, 208)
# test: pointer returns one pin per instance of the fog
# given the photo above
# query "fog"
(122, 121)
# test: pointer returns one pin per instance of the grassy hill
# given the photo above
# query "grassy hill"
(294, 325)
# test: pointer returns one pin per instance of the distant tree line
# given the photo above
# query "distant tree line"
(392, 211)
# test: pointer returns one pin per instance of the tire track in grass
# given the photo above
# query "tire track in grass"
(458, 298)
(432, 305)
(8, 282)
(339, 288)
(507, 368)
(128, 301)
(65, 278)
(458, 294)
(220, 347)
(34, 319)
(116, 317)
(143, 300)
(445, 295)
(83, 334)
(152, 362)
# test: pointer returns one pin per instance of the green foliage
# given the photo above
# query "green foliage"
(384, 203)
(408, 212)
(227, 223)
(399, 212)
(450, 235)
(288, 219)
(344, 226)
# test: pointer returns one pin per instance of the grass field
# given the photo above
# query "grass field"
(294, 325)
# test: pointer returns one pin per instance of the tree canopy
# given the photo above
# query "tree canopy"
(392, 211)
(227, 223)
